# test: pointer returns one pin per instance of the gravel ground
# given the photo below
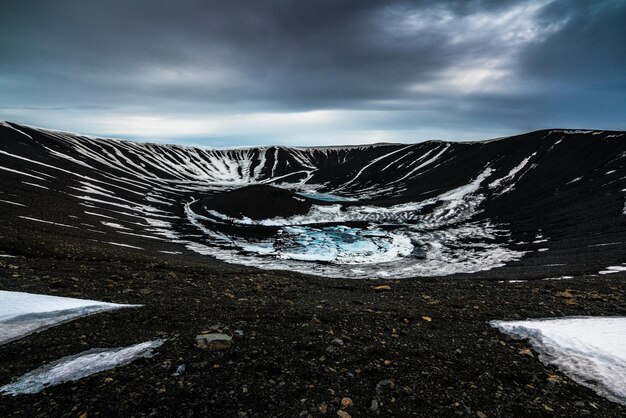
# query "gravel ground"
(418, 347)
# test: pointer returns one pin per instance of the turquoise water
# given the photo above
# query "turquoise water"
(324, 196)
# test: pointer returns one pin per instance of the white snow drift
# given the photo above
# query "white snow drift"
(590, 350)
(24, 313)
(78, 366)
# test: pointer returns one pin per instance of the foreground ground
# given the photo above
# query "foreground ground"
(420, 348)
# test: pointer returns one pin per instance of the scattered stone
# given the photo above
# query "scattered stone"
(338, 342)
(480, 414)
(385, 384)
(567, 294)
(180, 370)
(343, 414)
(593, 295)
(323, 408)
(554, 378)
(427, 318)
(526, 352)
(346, 403)
(374, 406)
(382, 288)
(213, 341)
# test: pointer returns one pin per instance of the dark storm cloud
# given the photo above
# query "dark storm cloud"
(347, 71)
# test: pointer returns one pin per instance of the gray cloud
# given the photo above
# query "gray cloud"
(249, 72)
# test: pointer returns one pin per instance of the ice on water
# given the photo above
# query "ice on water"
(340, 244)
(327, 197)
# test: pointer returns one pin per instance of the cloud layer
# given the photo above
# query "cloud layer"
(320, 72)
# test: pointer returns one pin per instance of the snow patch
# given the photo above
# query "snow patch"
(72, 368)
(46, 222)
(13, 203)
(613, 269)
(114, 225)
(24, 313)
(119, 244)
(590, 350)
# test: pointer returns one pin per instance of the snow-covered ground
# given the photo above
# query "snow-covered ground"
(590, 350)
(24, 313)
(78, 366)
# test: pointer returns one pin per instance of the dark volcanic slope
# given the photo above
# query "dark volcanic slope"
(129, 223)
(543, 204)
(259, 202)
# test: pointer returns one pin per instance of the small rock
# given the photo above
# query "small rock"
(180, 370)
(338, 342)
(385, 384)
(566, 294)
(374, 405)
(526, 352)
(427, 318)
(382, 288)
(343, 414)
(594, 295)
(323, 408)
(346, 403)
(213, 341)
(480, 414)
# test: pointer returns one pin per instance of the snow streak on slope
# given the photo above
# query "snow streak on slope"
(379, 210)
(24, 313)
(76, 367)
(590, 350)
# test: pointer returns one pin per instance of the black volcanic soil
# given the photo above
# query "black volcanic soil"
(259, 202)
(423, 348)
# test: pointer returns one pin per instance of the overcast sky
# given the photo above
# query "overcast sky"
(312, 72)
